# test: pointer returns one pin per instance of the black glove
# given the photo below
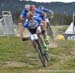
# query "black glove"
(23, 39)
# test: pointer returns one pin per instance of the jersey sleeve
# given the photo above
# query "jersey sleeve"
(38, 19)
(38, 11)
(26, 24)
(46, 10)
(23, 14)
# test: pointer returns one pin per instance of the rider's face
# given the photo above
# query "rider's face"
(28, 8)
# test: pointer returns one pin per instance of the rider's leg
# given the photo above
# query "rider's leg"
(33, 43)
(32, 31)
(21, 32)
(41, 38)
(44, 32)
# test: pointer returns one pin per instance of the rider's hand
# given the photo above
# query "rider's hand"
(23, 39)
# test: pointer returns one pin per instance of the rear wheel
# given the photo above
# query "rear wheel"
(49, 31)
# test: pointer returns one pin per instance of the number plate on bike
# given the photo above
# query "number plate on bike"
(34, 37)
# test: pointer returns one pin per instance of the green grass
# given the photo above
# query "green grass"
(17, 56)
(20, 57)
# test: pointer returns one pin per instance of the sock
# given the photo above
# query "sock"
(45, 47)
(46, 38)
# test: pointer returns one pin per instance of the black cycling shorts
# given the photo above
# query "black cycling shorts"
(32, 31)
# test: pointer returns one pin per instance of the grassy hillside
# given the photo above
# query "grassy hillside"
(20, 57)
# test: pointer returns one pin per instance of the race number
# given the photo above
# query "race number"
(34, 37)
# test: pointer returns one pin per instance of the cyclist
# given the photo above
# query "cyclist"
(33, 26)
(41, 14)
(45, 10)
(23, 17)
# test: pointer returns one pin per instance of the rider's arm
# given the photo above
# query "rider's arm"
(38, 11)
(49, 11)
(46, 10)
(22, 20)
(42, 13)
(22, 30)
(23, 15)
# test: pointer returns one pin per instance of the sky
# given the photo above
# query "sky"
(66, 1)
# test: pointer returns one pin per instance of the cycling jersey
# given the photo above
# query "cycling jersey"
(46, 11)
(39, 12)
(24, 13)
(36, 23)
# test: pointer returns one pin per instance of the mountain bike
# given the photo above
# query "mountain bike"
(43, 56)
(49, 30)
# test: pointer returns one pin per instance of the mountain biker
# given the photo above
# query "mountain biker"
(33, 26)
(41, 14)
(23, 17)
(47, 11)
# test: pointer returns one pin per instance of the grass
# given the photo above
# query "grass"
(20, 57)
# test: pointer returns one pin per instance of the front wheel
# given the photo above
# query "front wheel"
(41, 54)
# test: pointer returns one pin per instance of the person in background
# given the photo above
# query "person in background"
(51, 13)
(23, 19)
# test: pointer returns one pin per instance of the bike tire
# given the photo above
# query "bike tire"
(49, 31)
(46, 56)
(41, 54)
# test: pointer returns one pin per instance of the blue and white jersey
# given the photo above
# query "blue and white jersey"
(24, 13)
(45, 9)
(39, 13)
(36, 23)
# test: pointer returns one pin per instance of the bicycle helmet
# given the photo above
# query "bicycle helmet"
(27, 6)
(32, 7)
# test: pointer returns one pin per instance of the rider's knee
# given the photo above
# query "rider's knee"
(43, 32)
(39, 34)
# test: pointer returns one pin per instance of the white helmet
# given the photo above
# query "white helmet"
(27, 6)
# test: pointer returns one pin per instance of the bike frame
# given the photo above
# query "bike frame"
(40, 50)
